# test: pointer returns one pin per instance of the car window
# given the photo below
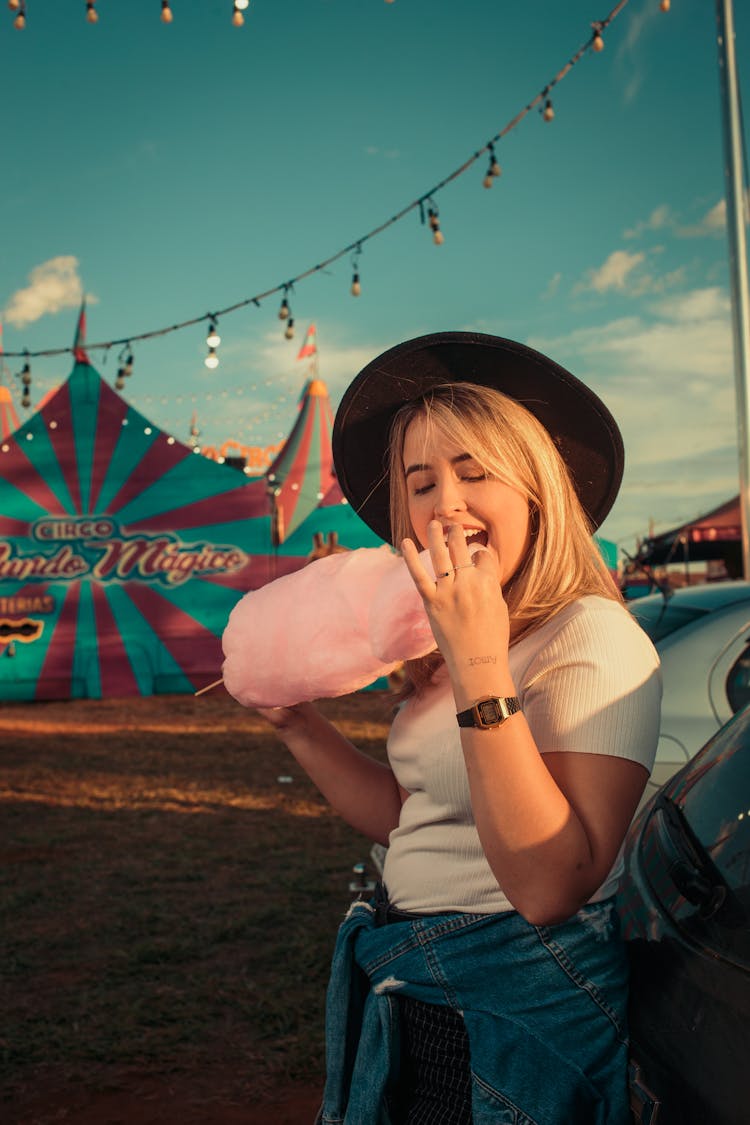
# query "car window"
(706, 816)
(738, 681)
(659, 617)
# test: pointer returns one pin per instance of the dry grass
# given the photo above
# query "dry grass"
(167, 904)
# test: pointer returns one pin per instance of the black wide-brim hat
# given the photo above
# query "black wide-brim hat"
(582, 427)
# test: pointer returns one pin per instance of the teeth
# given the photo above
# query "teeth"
(469, 533)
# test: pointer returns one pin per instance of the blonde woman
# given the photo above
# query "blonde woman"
(486, 982)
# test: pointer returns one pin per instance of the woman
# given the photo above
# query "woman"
(487, 982)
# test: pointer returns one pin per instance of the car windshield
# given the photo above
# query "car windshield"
(659, 616)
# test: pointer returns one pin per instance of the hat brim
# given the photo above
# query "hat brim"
(582, 427)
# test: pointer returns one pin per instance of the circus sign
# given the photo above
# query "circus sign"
(94, 547)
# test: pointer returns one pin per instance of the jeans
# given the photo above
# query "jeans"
(544, 1008)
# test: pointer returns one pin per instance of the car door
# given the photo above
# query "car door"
(696, 661)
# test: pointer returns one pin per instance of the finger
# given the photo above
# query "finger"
(422, 580)
(439, 550)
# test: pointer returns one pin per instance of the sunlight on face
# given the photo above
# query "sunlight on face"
(446, 483)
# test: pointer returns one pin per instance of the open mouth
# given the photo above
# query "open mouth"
(474, 537)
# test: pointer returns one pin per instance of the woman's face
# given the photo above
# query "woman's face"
(444, 483)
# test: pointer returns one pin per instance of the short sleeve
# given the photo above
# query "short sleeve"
(594, 685)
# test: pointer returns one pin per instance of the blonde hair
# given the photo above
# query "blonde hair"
(562, 562)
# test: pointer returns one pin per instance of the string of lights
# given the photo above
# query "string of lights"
(239, 7)
(424, 204)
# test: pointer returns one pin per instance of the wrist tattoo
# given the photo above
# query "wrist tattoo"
(482, 660)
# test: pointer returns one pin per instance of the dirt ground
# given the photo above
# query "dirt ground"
(207, 1098)
(170, 888)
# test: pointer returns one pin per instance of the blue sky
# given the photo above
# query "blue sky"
(172, 171)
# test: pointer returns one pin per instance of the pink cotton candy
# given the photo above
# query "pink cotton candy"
(330, 628)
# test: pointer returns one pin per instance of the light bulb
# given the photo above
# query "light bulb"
(284, 310)
(495, 169)
(548, 112)
(597, 42)
(237, 18)
(14, 5)
(119, 382)
(487, 181)
(91, 13)
(212, 360)
(438, 237)
(665, 5)
(356, 287)
(19, 22)
(166, 12)
(289, 333)
(213, 339)
(242, 4)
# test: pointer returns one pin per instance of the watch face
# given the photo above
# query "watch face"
(489, 712)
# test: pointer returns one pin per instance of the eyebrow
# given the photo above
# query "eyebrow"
(423, 468)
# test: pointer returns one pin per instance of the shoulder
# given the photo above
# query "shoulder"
(594, 642)
(590, 681)
(592, 624)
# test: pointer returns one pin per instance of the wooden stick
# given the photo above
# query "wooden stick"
(210, 686)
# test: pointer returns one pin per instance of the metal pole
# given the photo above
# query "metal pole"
(736, 233)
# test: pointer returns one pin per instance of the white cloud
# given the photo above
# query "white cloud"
(553, 286)
(669, 381)
(659, 219)
(713, 222)
(613, 274)
(53, 286)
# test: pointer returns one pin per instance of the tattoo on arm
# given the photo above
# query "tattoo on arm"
(482, 660)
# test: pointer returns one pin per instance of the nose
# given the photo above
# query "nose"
(448, 496)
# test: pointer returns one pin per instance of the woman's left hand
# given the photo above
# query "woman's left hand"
(464, 602)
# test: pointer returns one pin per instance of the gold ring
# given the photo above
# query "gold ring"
(462, 566)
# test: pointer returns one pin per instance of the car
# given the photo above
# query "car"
(684, 903)
(702, 634)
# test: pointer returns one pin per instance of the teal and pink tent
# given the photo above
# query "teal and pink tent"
(123, 551)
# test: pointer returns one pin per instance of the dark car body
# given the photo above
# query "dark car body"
(685, 907)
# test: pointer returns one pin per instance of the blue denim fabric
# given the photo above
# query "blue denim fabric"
(544, 1009)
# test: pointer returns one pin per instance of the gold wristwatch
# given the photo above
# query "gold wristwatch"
(489, 712)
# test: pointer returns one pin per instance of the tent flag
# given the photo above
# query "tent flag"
(79, 343)
(309, 344)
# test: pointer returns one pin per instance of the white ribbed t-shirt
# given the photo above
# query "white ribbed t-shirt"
(588, 681)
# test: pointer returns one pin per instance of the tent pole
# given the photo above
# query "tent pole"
(736, 205)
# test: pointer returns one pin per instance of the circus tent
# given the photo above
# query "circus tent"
(123, 552)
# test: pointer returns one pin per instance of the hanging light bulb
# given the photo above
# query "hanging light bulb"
(14, 5)
(548, 113)
(20, 21)
(289, 332)
(213, 339)
(119, 381)
(284, 309)
(26, 375)
(356, 287)
(125, 360)
(91, 13)
(212, 360)
(437, 235)
(242, 5)
(665, 5)
(493, 168)
(237, 18)
(26, 401)
(597, 42)
(166, 12)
